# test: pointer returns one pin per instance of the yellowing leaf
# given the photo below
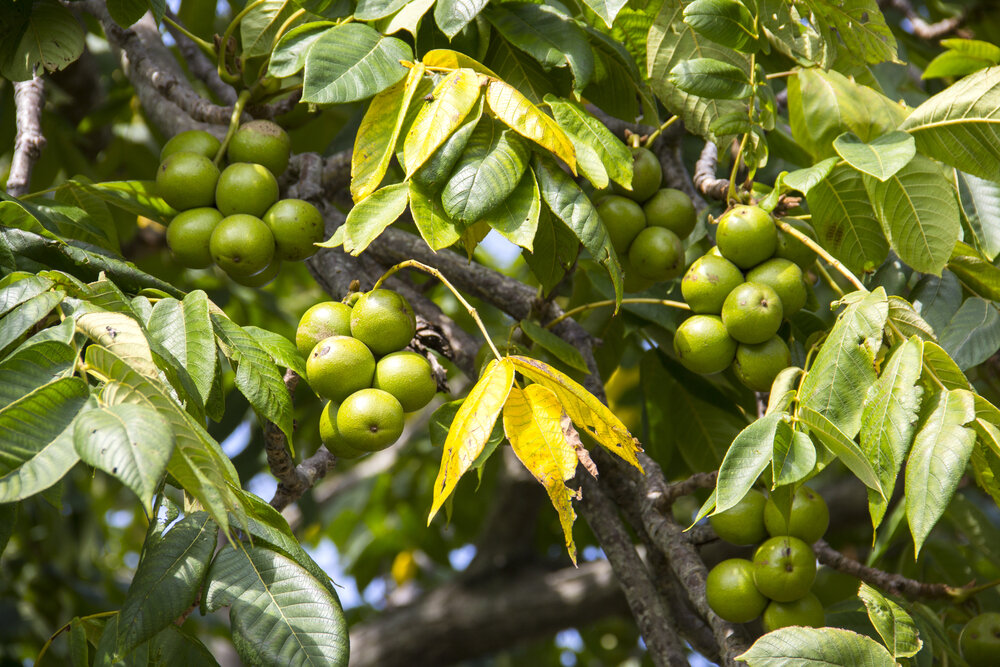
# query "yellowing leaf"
(451, 102)
(532, 420)
(517, 111)
(471, 428)
(378, 133)
(448, 59)
(589, 414)
(122, 335)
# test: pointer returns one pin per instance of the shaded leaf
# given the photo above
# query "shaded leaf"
(279, 613)
(816, 647)
(452, 16)
(435, 226)
(137, 197)
(516, 217)
(29, 368)
(185, 330)
(973, 334)
(747, 458)
(22, 317)
(941, 450)
(562, 350)
(289, 56)
(845, 221)
(587, 129)
(936, 298)
(43, 35)
(843, 448)
(281, 350)
(793, 459)
(370, 217)
(711, 79)
(489, 169)
(554, 251)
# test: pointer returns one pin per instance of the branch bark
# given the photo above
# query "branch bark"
(704, 173)
(457, 622)
(894, 584)
(29, 98)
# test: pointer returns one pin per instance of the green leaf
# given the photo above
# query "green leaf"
(514, 110)
(571, 205)
(936, 298)
(842, 447)
(521, 71)
(552, 343)
(588, 130)
(889, 420)
(973, 334)
(550, 37)
(371, 216)
(266, 524)
(918, 212)
(960, 126)
(17, 288)
(793, 459)
(185, 330)
(983, 209)
(554, 250)
(516, 217)
(670, 42)
(804, 180)
(28, 368)
(845, 221)
(351, 62)
(436, 227)
(606, 9)
(452, 16)
(127, 12)
(37, 438)
(130, 442)
(787, 28)
(73, 195)
(726, 22)
(434, 173)
(710, 78)
(449, 104)
(941, 450)
(281, 350)
(881, 158)
(977, 274)
(123, 336)
(42, 35)
(822, 105)
(261, 23)
(816, 647)
(618, 88)
(289, 56)
(137, 197)
(370, 10)
(166, 583)
(964, 56)
(489, 169)
(939, 369)
(18, 321)
(844, 368)
(198, 462)
(280, 613)
(858, 25)
(257, 376)
(894, 625)
(747, 458)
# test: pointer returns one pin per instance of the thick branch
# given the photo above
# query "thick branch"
(893, 584)
(29, 98)
(201, 66)
(651, 614)
(704, 173)
(455, 622)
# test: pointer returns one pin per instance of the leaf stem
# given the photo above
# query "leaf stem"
(680, 305)
(778, 75)
(819, 250)
(221, 63)
(45, 647)
(652, 137)
(829, 280)
(206, 47)
(412, 263)
(234, 122)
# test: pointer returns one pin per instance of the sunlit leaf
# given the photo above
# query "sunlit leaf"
(894, 625)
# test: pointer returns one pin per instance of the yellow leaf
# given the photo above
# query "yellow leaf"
(448, 59)
(589, 414)
(451, 102)
(473, 234)
(532, 420)
(378, 133)
(517, 111)
(471, 428)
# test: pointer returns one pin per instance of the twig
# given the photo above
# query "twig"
(704, 174)
(29, 98)
(662, 496)
(821, 251)
(293, 480)
(610, 302)
(921, 28)
(894, 584)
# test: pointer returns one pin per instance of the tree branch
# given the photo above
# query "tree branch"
(29, 98)
(921, 28)
(457, 622)
(201, 66)
(704, 173)
(894, 584)
(652, 615)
